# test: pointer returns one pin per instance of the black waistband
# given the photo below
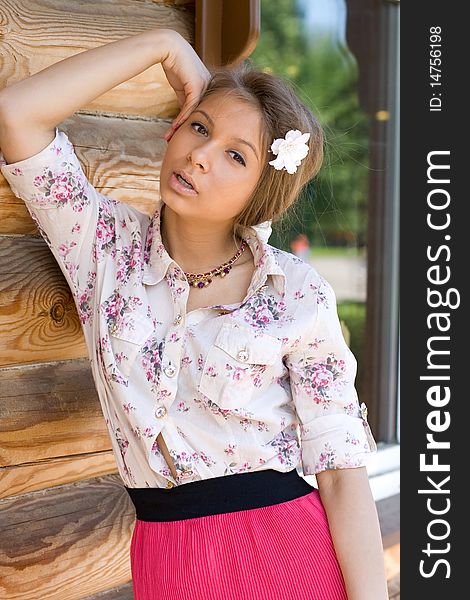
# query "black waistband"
(218, 495)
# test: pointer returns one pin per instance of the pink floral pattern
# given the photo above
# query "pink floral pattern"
(118, 309)
(105, 231)
(151, 359)
(280, 392)
(84, 305)
(319, 378)
(287, 447)
(263, 309)
(57, 187)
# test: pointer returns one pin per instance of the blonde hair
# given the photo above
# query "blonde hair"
(281, 110)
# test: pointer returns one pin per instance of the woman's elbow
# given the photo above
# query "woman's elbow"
(331, 479)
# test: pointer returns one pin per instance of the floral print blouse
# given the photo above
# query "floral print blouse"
(267, 383)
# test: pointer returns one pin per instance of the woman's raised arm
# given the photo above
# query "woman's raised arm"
(37, 104)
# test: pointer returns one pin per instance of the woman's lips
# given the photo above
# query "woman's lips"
(180, 188)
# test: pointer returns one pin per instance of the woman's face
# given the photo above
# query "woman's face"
(219, 148)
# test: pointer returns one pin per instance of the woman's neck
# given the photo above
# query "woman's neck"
(196, 247)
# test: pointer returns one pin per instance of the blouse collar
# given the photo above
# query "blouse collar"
(157, 260)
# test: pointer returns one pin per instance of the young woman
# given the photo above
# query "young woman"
(218, 359)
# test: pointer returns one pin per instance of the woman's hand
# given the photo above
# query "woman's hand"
(187, 75)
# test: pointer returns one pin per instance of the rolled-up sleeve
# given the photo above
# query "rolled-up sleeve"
(78, 223)
(333, 424)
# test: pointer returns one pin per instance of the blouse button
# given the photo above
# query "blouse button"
(177, 320)
(170, 370)
(113, 328)
(160, 411)
(170, 484)
(242, 355)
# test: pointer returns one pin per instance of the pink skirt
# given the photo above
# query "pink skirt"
(279, 552)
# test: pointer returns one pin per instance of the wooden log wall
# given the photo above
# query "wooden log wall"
(65, 518)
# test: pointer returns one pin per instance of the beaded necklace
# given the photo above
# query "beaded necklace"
(202, 280)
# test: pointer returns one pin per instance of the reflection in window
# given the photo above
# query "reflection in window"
(304, 41)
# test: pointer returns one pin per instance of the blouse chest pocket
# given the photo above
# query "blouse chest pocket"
(127, 335)
(236, 365)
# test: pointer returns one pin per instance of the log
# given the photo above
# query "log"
(55, 408)
(66, 543)
(49, 473)
(38, 317)
(123, 592)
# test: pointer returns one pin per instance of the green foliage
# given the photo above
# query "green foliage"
(332, 210)
(354, 316)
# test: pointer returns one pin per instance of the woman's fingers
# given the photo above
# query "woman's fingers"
(191, 102)
(192, 91)
(169, 132)
(186, 110)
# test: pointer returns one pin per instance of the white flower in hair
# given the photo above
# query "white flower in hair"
(290, 150)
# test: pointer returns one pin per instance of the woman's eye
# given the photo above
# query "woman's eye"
(196, 124)
(238, 157)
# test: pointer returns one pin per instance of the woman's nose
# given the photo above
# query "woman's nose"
(199, 159)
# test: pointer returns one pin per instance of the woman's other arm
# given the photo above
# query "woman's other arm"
(31, 109)
(355, 529)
